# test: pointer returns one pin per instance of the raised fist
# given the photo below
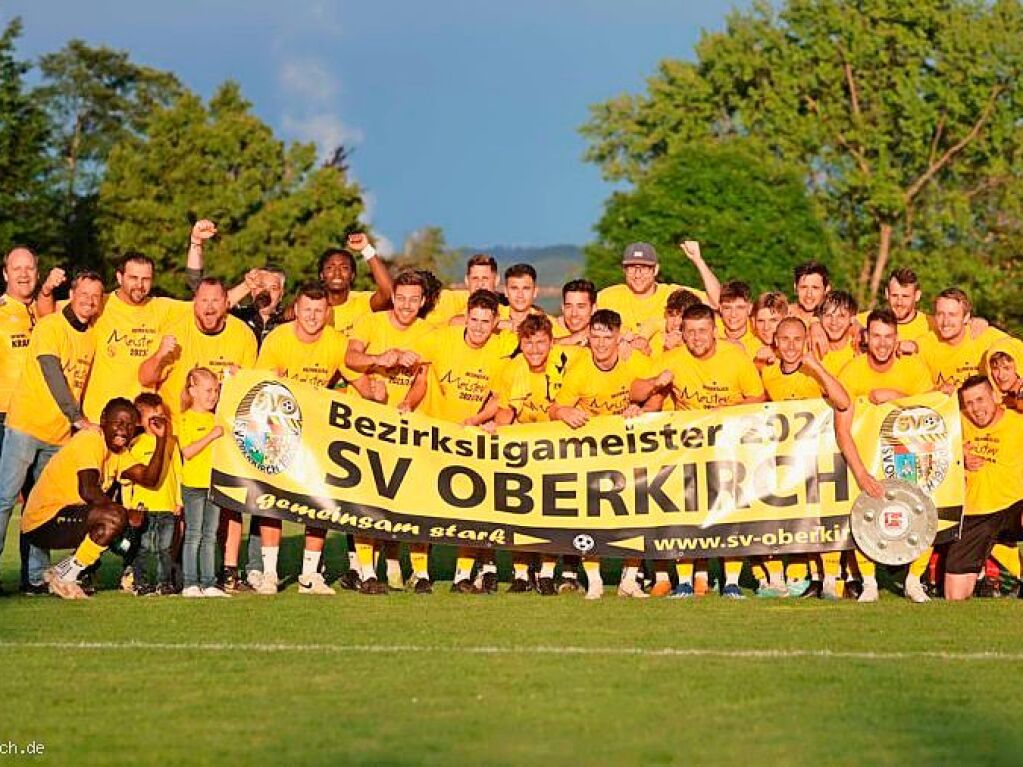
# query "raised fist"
(54, 279)
(202, 230)
(159, 425)
(357, 241)
(167, 345)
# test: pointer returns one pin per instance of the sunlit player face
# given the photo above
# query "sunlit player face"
(311, 315)
(764, 325)
(1003, 373)
(836, 323)
(119, 428)
(810, 291)
(882, 339)
(479, 326)
(21, 274)
(640, 277)
(210, 308)
(978, 404)
(576, 308)
(699, 337)
(604, 345)
(521, 292)
(205, 393)
(950, 319)
(481, 277)
(268, 290)
(535, 350)
(407, 300)
(790, 343)
(87, 299)
(735, 315)
(903, 299)
(337, 273)
(135, 282)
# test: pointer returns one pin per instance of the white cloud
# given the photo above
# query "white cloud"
(307, 81)
(383, 245)
(325, 129)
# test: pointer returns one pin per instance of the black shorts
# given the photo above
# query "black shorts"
(980, 533)
(64, 531)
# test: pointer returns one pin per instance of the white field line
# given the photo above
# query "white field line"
(641, 652)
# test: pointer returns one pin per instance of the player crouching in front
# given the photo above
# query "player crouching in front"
(69, 508)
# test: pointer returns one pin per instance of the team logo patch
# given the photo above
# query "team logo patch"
(914, 447)
(268, 426)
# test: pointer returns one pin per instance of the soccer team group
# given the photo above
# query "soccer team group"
(108, 407)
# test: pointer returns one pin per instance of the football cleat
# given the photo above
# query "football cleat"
(772, 592)
(853, 589)
(915, 593)
(464, 586)
(869, 593)
(488, 583)
(568, 585)
(314, 584)
(814, 591)
(520, 586)
(732, 591)
(350, 581)
(373, 587)
(191, 592)
(418, 585)
(545, 587)
(235, 585)
(35, 589)
(660, 589)
(797, 588)
(632, 590)
(61, 588)
(682, 591)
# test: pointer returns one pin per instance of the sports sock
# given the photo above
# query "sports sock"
(733, 567)
(832, 561)
(629, 573)
(869, 580)
(310, 562)
(87, 553)
(919, 565)
(661, 575)
(463, 568)
(393, 568)
(866, 566)
(774, 572)
(521, 571)
(547, 568)
(1007, 557)
(796, 571)
(594, 583)
(365, 553)
(684, 571)
(270, 554)
(488, 567)
(815, 567)
(420, 563)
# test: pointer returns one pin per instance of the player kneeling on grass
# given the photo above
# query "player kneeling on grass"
(993, 507)
(69, 507)
(604, 383)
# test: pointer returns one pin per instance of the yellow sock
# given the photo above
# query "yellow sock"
(796, 569)
(867, 569)
(684, 570)
(732, 569)
(88, 552)
(1007, 557)
(774, 569)
(832, 563)
(758, 571)
(591, 565)
(919, 565)
(420, 562)
(521, 570)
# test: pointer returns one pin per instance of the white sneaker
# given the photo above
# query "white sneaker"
(632, 589)
(915, 592)
(267, 584)
(254, 578)
(213, 591)
(314, 584)
(61, 588)
(191, 592)
(870, 593)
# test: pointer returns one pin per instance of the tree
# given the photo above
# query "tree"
(750, 213)
(427, 248)
(95, 97)
(24, 131)
(271, 202)
(903, 117)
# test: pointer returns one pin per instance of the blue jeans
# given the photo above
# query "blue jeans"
(157, 537)
(202, 518)
(22, 454)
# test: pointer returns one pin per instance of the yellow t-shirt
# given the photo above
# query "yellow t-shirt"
(640, 315)
(908, 375)
(58, 485)
(125, 337)
(450, 304)
(33, 410)
(166, 496)
(908, 331)
(999, 482)
(836, 359)
(348, 313)
(726, 378)
(459, 379)
(781, 387)
(234, 345)
(378, 334)
(314, 363)
(16, 322)
(954, 364)
(197, 470)
(602, 392)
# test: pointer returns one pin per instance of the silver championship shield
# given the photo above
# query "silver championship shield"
(896, 528)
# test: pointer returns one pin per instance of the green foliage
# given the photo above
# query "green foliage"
(902, 116)
(428, 249)
(24, 130)
(750, 213)
(271, 202)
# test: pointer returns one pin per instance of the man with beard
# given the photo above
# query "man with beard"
(265, 312)
(881, 376)
(993, 457)
(213, 339)
(46, 404)
(69, 507)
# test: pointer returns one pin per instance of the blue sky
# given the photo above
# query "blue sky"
(463, 114)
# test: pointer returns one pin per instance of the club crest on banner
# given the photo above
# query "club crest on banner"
(914, 447)
(268, 426)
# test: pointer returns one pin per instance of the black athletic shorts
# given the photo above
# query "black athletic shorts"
(65, 531)
(980, 533)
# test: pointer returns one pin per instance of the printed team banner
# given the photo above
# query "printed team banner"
(754, 479)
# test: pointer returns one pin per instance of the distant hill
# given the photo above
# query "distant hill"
(555, 265)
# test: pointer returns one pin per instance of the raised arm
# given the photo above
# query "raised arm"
(202, 230)
(148, 475)
(711, 285)
(359, 243)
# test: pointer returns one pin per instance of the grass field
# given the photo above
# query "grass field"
(509, 679)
